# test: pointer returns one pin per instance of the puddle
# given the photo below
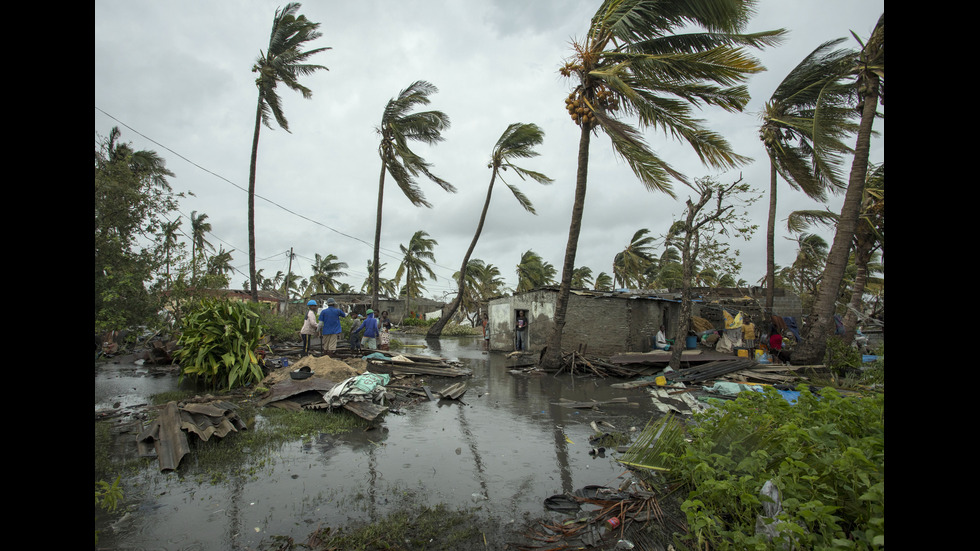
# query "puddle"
(503, 451)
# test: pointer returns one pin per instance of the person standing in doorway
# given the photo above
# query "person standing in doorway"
(330, 317)
(521, 329)
(309, 328)
(486, 331)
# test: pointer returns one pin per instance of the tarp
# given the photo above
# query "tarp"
(732, 322)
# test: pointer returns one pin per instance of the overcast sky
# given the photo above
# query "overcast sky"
(176, 78)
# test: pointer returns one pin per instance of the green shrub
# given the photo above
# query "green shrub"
(840, 356)
(278, 327)
(415, 322)
(217, 343)
(825, 455)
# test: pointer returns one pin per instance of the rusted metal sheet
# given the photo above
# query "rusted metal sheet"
(167, 434)
(168, 440)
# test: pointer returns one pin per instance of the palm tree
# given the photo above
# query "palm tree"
(199, 227)
(220, 262)
(399, 126)
(414, 266)
(290, 284)
(630, 264)
(803, 123)
(533, 272)
(326, 270)
(869, 238)
(633, 60)
(282, 62)
(582, 277)
(603, 282)
(517, 142)
(386, 286)
(169, 232)
(869, 85)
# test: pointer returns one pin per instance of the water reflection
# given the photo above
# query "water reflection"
(505, 447)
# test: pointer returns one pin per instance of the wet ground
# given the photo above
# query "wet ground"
(502, 449)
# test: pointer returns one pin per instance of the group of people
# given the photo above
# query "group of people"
(778, 344)
(372, 332)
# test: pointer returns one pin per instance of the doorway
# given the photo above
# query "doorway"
(522, 331)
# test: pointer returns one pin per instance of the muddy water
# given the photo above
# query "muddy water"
(503, 449)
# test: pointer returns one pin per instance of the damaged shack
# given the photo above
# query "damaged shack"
(611, 322)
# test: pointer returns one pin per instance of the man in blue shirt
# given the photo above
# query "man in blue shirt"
(330, 316)
(370, 327)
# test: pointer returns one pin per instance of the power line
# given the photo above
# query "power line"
(391, 254)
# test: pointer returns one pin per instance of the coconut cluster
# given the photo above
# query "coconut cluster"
(580, 110)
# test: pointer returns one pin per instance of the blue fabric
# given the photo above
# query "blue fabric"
(370, 327)
(839, 324)
(791, 396)
(791, 325)
(331, 320)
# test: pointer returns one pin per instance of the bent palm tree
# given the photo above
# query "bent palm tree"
(199, 227)
(630, 264)
(633, 60)
(282, 62)
(326, 270)
(533, 272)
(803, 124)
(414, 266)
(517, 142)
(399, 126)
(869, 85)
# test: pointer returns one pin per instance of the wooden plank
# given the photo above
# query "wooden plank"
(428, 393)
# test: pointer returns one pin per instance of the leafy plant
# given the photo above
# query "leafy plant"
(218, 342)
(840, 356)
(107, 497)
(825, 454)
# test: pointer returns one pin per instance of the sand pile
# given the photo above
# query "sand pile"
(324, 366)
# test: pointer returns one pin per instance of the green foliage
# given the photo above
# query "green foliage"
(416, 322)
(840, 356)
(415, 527)
(132, 202)
(218, 342)
(279, 327)
(107, 497)
(825, 455)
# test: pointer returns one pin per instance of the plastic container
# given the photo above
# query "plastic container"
(661, 380)
(692, 342)
(742, 352)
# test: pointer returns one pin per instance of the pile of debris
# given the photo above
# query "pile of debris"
(167, 436)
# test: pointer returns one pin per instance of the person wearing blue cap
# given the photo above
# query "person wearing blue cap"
(310, 327)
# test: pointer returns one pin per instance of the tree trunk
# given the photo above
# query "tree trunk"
(251, 203)
(863, 249)
(552, 357)
(814, 345)
(377, 240)
(436, 328)
(770, 241)
(684, 319)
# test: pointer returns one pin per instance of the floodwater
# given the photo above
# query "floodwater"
(503, 449)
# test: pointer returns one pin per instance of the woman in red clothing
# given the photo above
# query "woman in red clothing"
(776, 352)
